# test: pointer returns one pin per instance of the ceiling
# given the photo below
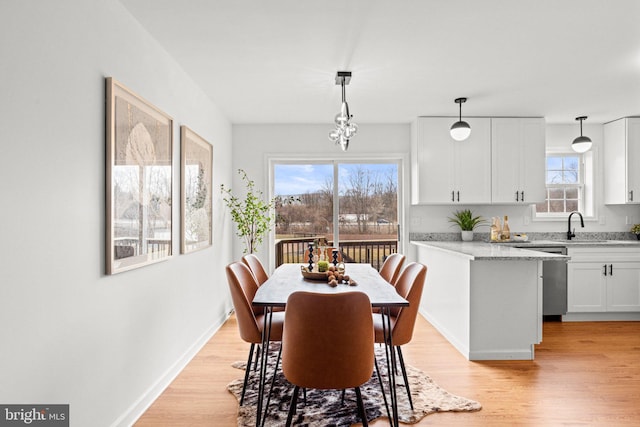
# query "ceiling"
(275, 61)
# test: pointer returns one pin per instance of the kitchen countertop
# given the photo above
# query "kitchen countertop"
(482, 251)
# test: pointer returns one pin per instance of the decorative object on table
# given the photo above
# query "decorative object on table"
(636, 230)
(332, 276)
(310, 256)
(460, 130)
(139, 170)
(582, 143)
(324, 407)
(334, 254)
(196, 163)
(345, 128)
(467, 223)
(253, 216)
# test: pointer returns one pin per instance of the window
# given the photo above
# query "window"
(350, 205)
(565, 186)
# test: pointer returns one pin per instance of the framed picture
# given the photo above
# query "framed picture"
(138, 177)
(196, 163)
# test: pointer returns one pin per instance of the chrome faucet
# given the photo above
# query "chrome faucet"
(570, 233)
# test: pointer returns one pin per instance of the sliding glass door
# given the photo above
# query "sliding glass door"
(352, 206)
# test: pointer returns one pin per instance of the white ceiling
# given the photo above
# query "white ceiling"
(275, 61)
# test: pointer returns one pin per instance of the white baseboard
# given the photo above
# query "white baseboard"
(143, 403)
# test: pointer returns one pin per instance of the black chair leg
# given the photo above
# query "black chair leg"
(384, 396)
(273, 381)
(404, 375)
(292, 405)
(344, 391)
(255, 363)
(363, 414)
(246, 373)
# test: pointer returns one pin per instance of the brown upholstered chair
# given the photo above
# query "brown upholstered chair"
(327, 343)
(409, 285)
(391, 267)
(243, 288)
(256, 267)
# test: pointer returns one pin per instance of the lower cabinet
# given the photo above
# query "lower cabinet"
(603, 281)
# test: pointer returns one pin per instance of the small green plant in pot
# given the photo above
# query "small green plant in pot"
(636, 230)
(467, 222)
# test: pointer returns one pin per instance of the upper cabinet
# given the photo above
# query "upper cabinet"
(621, 160)
(518, 158)
(446, 171)
(503, 161)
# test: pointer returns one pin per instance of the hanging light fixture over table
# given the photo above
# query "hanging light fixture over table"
(460, 130)
(345, 128)
(582, 143)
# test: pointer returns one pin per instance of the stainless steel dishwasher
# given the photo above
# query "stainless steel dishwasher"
(554, 281)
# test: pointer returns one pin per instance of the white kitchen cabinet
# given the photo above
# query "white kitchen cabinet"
(446, 171)
(603, 280)
(518, 160)
(621, 160)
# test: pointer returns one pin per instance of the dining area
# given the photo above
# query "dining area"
(311, 341)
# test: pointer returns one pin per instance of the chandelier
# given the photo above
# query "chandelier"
(345, 128)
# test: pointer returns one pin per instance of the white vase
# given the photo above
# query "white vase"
(467, 236)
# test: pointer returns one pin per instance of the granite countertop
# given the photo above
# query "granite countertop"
(573, 243)
(482, 251)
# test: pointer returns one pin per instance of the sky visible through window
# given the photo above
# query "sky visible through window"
(294, 179)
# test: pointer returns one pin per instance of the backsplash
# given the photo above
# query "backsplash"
(484, 237)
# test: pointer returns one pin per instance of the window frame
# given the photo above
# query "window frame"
(586, 186)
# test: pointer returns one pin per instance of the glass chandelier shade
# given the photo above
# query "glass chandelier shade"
(460, 130)
(345, 129)
(581, 144)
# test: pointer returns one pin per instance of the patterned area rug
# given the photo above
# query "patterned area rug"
(324, 407)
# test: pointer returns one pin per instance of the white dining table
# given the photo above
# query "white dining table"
(288, 279)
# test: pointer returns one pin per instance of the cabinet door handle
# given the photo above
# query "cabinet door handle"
(604, 269)
(610, 269)
(631, 196)
(453, 196)
(517, 197)
(458, 196)
(522, 196)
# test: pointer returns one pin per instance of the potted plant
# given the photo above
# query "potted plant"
(252, 215)
(467, 223)
(636, 230)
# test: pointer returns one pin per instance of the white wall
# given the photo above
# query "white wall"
(106, 345)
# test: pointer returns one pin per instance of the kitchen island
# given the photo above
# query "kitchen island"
(485, 298)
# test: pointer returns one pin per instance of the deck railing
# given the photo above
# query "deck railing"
(370, 251)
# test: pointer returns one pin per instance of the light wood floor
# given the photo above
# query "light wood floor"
(583, 374)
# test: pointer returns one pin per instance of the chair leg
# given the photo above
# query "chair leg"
(363, 414)
(292, 405)
(246, 373)
(344, 391)
(384, 396)
(255, 364)
(273, 381)
(404, 375)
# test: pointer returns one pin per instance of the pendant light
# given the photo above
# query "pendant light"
(345, 129)
(582, 143)
(460, 130)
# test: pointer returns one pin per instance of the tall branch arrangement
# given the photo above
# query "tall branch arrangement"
(252, 215)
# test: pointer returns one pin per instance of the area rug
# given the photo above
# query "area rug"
(324, 407)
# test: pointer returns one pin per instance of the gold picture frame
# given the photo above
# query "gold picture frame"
(139, 171)
(196, 166)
